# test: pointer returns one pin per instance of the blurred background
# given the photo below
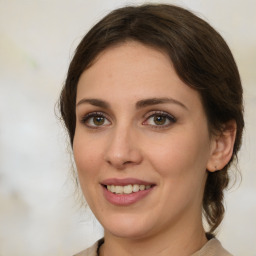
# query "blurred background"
(39, 214)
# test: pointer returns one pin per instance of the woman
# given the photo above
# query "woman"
(153, 107)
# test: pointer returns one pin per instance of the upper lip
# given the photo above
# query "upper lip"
(124, 182)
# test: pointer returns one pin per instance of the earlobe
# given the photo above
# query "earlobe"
(222, 147)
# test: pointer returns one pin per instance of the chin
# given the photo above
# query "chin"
(128, 233)
(126, 226)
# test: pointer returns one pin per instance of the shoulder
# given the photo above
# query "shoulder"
(212, 248)
(91, 251)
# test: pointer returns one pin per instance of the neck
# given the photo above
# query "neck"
(182, 242)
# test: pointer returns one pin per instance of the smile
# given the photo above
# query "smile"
(124, 192)
(128, 189)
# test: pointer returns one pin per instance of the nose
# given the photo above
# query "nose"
(123, 149)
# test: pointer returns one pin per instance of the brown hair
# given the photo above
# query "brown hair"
(201, 59)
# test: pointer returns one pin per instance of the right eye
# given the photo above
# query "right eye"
(95, 120)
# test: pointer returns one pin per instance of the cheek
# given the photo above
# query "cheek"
(86, 150)
(181, 154)
(86, 161)
(86, 157)
(181, 164)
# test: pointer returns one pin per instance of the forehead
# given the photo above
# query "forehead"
(129, 47)
(130, 71)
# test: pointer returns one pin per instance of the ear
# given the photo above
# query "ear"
(222, 147)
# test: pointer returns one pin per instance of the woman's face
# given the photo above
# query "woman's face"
(141, 143)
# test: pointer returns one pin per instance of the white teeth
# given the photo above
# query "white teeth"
(119, 190)
(112, 189)
(128, 189)
(136, 188)
(142, 187)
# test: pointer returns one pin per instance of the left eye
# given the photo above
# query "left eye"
(160, 119)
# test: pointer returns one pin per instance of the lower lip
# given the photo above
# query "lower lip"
(125, 199)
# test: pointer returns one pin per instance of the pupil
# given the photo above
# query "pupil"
(159, 120)
(98, 120)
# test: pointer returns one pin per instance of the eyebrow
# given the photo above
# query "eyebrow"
(140, 104)
(156, 101)
(94, 102)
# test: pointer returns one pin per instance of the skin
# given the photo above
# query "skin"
(127, 142)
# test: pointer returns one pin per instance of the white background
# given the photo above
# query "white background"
(38, 212)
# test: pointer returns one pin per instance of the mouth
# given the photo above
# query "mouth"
(123, 192)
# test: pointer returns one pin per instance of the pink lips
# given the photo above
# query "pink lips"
(125, 199)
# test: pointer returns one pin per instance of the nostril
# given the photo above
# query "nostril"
(127, 162)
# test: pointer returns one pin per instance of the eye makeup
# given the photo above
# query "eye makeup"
(95, 120)
(159, 119)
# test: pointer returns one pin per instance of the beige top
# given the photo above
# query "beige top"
(212, 248)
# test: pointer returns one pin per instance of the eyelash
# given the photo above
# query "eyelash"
(87, 118)
(171, 119)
